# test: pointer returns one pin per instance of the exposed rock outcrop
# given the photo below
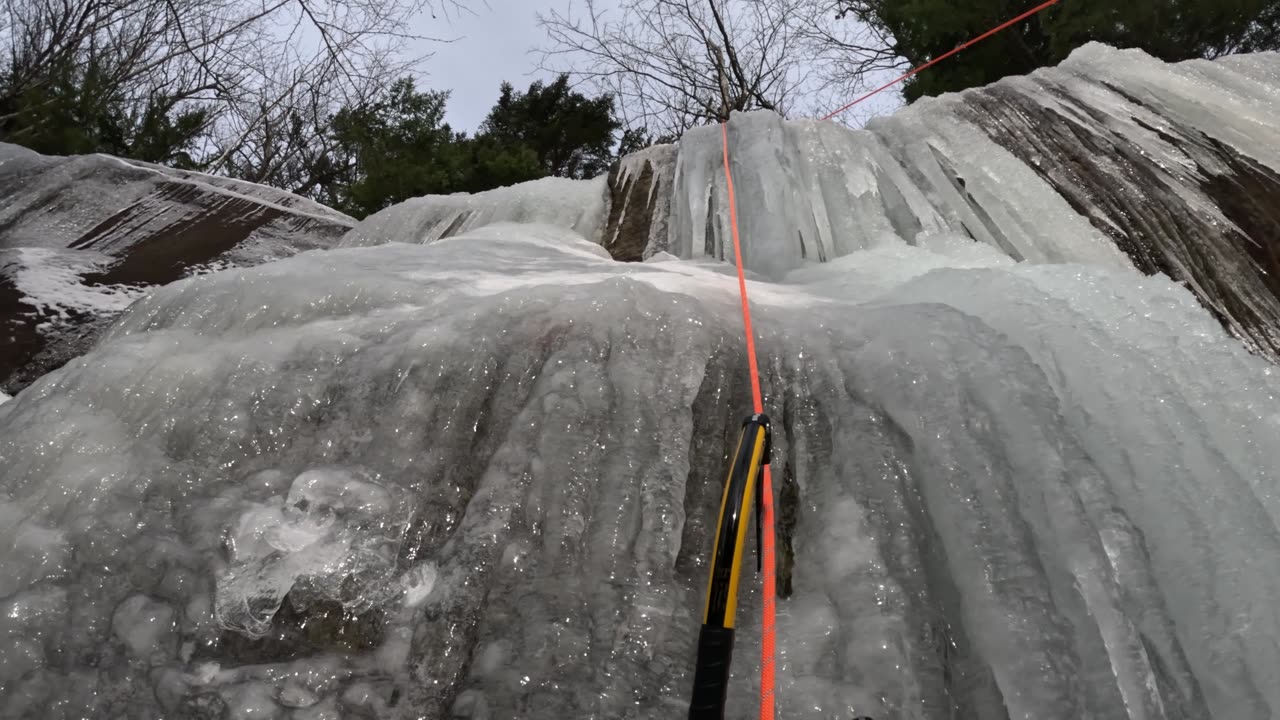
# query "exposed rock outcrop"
(80, 237)
(640, 188)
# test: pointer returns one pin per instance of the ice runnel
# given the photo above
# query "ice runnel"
(812, 191)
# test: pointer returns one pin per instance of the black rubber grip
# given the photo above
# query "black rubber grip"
(711, 675)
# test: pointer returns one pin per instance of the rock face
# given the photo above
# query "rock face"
(1188, 193)
(81, 237)
(640, 191)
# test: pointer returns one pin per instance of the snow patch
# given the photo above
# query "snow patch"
(52, 284)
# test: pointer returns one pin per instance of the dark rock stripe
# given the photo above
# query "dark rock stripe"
(1130, 197)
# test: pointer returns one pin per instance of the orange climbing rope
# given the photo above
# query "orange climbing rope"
(767, 626)
(944, 56)
(766, 502)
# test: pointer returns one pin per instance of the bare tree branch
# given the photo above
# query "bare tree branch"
(675, 64)
(261, 71)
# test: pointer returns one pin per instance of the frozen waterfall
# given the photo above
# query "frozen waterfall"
(1112, 159)
(468, 465)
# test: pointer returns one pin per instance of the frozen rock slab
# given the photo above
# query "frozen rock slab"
(1178, 164)
(626, 211)
(577, 205)
(640, 190)
(81, 237)
(106, 203)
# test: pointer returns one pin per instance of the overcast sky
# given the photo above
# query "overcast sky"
(493, 45)
(497, 42)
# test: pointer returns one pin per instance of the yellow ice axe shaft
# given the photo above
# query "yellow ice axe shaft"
(715, 641)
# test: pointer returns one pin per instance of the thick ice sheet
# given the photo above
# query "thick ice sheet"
(810, 191)
(56, 202)
(486, 470)
(578, 205)
(1114, 159)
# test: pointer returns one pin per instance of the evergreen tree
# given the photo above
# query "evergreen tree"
(493, 162)
(1171, 30)
(571, 135)
(75, 109)
(398, 146)
(391, 149)
(370, 155)
(636, 139)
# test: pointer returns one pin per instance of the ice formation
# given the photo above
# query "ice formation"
(476, 476)
(488, 466)
(577, 205)
(1112, 159)
(108, 204)
(81, 237)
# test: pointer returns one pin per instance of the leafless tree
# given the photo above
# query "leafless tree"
(846, 54)
(259, 68)
(675, 64)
